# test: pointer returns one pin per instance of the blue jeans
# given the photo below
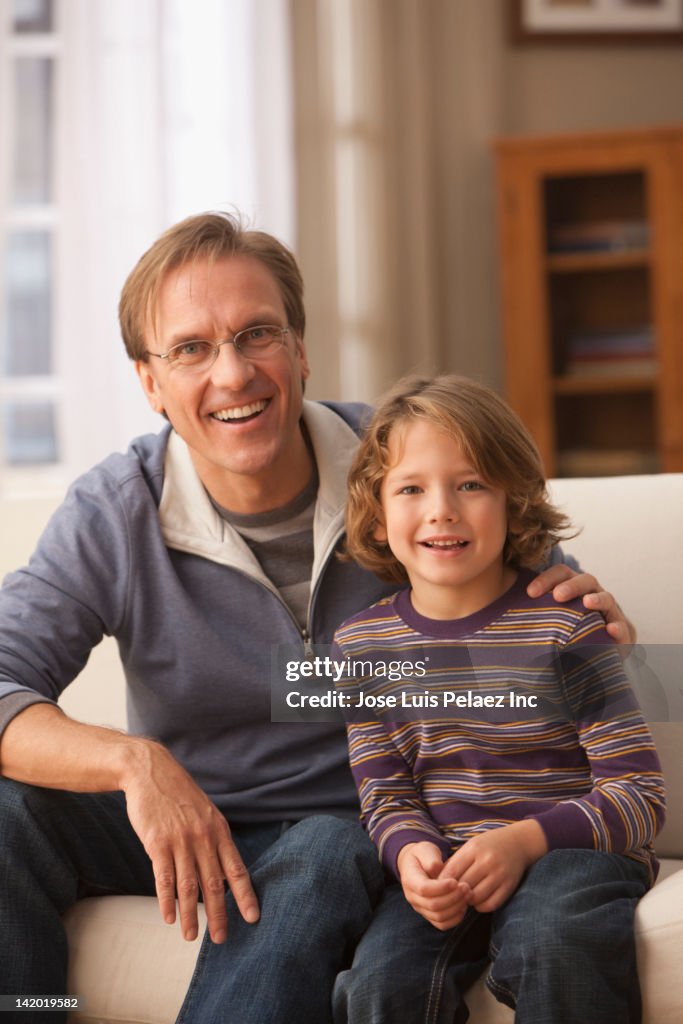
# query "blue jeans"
(317, 880)
(561, 951)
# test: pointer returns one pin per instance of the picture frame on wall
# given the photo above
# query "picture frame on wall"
(595, 21)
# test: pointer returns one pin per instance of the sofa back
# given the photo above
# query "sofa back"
(632, 533)
(98, 695)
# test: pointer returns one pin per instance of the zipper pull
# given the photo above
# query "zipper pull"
(308, 646)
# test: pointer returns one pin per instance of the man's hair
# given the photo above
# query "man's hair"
(492, 438)
(211, 237)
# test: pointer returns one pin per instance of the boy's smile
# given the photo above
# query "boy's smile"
(444, 523)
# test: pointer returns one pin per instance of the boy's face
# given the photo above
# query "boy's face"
(444, 523)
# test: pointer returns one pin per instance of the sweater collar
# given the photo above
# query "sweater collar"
(190, 523)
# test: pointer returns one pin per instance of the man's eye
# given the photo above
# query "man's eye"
(256, 333)
(190, 348)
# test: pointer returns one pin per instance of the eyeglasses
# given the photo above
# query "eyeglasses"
(258, 342)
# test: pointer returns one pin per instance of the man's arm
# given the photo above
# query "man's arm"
(187, 839)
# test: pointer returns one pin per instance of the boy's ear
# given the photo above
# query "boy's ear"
(380, 533)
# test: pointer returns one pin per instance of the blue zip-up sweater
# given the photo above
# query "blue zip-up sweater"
(138, 551)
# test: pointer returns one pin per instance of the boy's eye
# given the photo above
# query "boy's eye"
(410, 489)
(471, 485)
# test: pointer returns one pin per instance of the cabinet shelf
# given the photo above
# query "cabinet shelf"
(581, 384)
(593, 336)
(579, 262)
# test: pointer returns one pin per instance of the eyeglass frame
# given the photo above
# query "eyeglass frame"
(217, 345)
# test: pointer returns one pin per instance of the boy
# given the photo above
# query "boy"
(536, 802)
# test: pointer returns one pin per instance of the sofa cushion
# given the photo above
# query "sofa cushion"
(125, 963)
(659, 939)
(130, 968)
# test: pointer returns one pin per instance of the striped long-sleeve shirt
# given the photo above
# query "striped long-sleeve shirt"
(463, 750)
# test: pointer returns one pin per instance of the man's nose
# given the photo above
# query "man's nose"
(230, 369)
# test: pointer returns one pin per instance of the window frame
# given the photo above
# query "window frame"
(43, 216)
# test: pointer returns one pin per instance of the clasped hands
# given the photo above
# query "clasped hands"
(482, 873)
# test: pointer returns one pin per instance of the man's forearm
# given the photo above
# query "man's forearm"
(187, 839)
(43, 747)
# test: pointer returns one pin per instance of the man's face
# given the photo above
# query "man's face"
(261, 443)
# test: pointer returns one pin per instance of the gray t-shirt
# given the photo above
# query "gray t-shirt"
(282, 542)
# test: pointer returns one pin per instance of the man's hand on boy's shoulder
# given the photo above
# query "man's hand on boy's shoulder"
(566, 585)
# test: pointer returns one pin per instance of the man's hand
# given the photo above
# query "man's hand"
(566, 585)
(188, 841)
(492, 864)
(440, 900)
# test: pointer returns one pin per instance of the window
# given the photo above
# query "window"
(29, 385)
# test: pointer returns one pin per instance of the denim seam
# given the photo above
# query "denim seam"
(436, 988)
(496, 989)
(196, 975)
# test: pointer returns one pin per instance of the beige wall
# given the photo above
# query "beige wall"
(552, 88)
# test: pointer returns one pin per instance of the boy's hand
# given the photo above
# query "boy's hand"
(442, 901)
(492, 864)
(566, 584)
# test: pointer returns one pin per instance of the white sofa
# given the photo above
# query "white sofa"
(130, 967)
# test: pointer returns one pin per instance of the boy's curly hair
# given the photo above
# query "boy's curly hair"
(491, 436)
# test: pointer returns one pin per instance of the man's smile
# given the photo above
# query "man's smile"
(241, 413)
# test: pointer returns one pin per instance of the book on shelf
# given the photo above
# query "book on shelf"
(624, 350)
(599, 236)
(639, 340)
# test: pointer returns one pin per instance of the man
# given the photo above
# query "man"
(199, 549)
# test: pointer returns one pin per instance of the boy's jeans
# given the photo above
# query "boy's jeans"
(317, 882)
(562, 951)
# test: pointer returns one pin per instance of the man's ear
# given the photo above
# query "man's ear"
(149, 385)
(300, 350)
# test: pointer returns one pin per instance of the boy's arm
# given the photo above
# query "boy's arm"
(622, 812)
(625, 809)
(399, 823)
(392, 810)
(397, 819)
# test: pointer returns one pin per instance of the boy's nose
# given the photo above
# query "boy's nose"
(444, 509)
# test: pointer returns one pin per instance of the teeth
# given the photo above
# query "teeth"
(239, 413)
(445, 543)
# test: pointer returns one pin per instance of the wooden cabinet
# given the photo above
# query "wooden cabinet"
(591, 249)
